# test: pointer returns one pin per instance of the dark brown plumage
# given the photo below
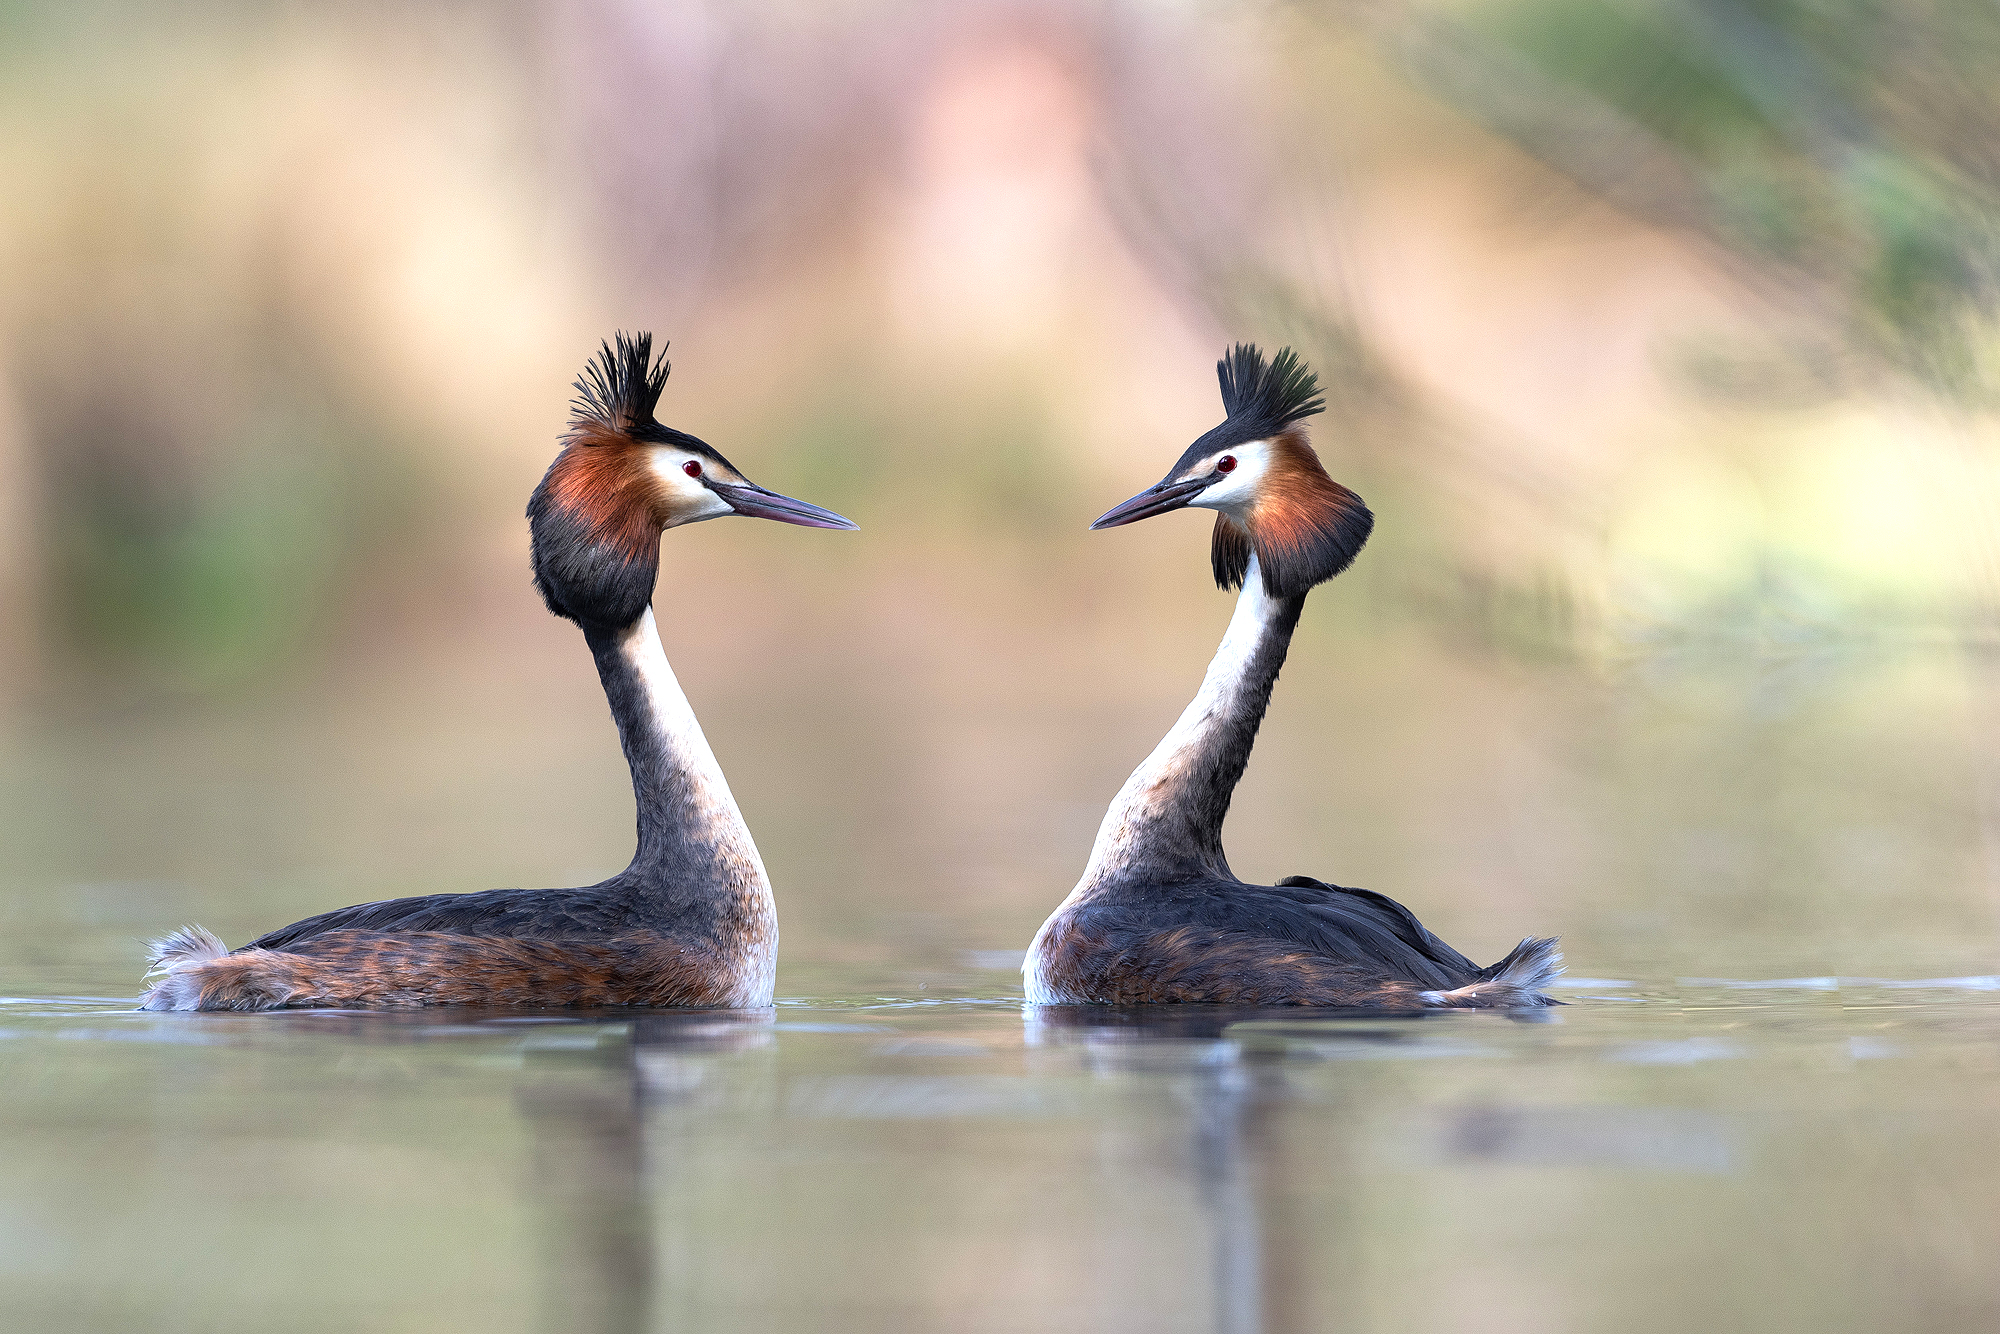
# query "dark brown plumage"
(1210, 965)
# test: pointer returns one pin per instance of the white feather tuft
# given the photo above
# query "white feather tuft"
(1518, 980)
(189, 945)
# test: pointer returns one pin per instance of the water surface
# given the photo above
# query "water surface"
(1804, 1153)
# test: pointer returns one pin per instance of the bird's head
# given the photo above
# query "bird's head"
(621, 479)
(1271, 496)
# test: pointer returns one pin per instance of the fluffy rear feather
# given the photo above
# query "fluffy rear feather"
(167, 956)
(190, 944)
(1516, 980)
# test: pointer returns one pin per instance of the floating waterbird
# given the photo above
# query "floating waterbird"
(691, 920)
(1157, 915)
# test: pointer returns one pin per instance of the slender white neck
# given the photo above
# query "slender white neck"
(1161, 799)
(711, 807)
(696, 871)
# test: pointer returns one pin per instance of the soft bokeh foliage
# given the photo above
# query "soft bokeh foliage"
(1642, 322)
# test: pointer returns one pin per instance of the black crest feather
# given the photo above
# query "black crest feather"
(1267, 397)
(1261, 398)
(621, 386)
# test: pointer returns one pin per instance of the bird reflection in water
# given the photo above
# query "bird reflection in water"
(1232, 1070)
(601, 1150)
(599, 1093)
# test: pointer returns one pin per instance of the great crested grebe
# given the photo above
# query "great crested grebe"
(1158, 916)
(691, 920)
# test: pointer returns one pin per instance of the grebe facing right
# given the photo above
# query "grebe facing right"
(1157, 916)
(691, 921)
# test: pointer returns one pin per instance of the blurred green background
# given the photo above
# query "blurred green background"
(1657, 335)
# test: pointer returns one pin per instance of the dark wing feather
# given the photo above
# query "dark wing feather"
(542, 914)
(1379, 910)
(1356, 926)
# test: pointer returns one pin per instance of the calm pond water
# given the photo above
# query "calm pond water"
(1731, 1128)
(1804, 1154)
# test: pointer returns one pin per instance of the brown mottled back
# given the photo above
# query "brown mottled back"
(1194, 964)
(414, 968)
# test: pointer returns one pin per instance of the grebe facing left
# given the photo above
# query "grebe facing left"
(691, 920)
(1158, 916)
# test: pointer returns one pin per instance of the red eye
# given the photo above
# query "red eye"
(691, 468)
(1227, 463)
